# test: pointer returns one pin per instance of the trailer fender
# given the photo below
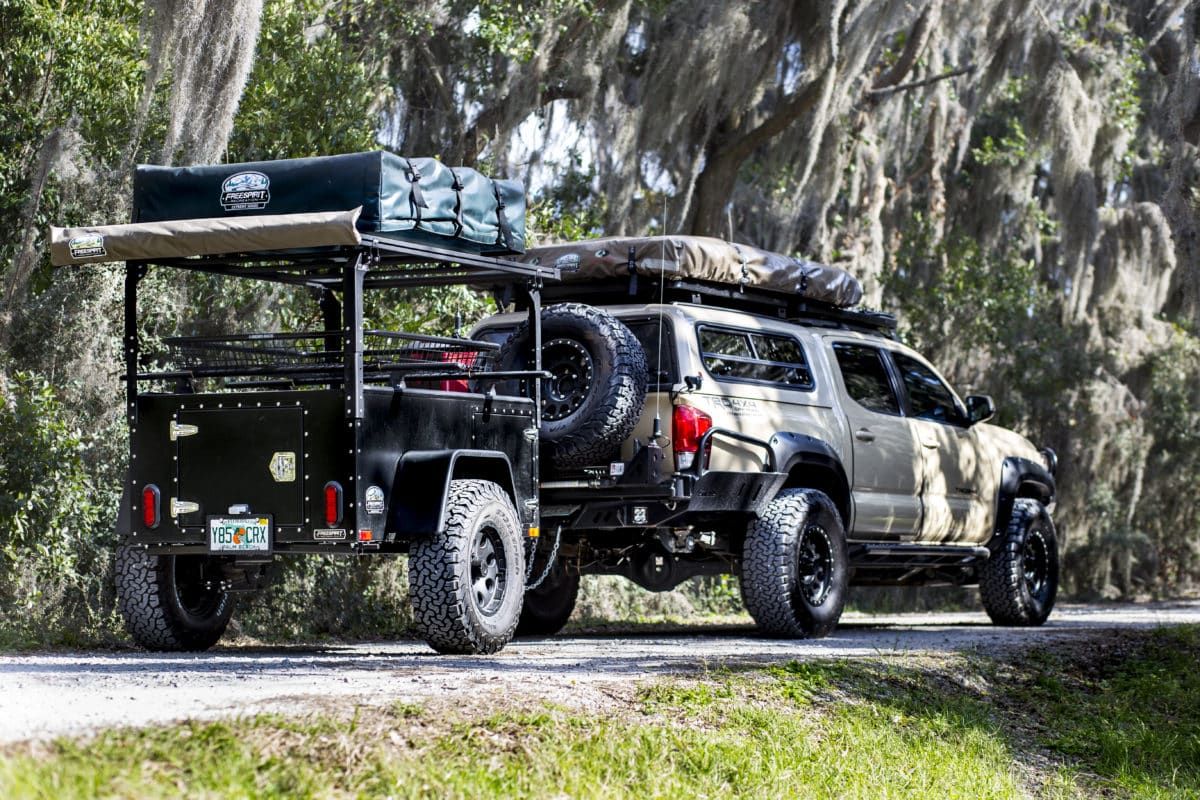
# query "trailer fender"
(418, 501)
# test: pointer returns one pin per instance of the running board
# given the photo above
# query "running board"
(892, 555)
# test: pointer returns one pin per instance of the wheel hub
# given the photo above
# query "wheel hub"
(814, 564)
(197, 593)
(1035, 563)
(571, 369)
(489, 578)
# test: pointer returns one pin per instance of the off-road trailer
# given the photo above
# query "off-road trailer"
(340, 440)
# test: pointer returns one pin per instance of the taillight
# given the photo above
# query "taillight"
(333, 503)
(465, 359)
(688, 424)
(151, 502)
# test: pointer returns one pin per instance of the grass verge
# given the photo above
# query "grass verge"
(1117, 718)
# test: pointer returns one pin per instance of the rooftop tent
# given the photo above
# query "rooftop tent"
(414, 199)
(703, 259)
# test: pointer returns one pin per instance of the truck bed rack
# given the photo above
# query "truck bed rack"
(744, 298)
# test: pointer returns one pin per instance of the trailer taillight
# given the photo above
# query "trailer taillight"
(465, 359)
(688, 424)
(333, 503)
(151, 502)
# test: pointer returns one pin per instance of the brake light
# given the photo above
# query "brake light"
(465, 359)
(151, 502)
(333, 504)
(688, 425)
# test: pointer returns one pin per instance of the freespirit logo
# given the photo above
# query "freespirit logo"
(245, 191)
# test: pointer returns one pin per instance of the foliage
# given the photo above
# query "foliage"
(50, 512)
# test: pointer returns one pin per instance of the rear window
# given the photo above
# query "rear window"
(737, 355)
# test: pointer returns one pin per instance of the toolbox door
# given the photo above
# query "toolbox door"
(243, 456)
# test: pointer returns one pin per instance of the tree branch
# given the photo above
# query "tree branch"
(914, 46)
(954, 73)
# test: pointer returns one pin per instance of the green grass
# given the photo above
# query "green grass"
(1120, 720)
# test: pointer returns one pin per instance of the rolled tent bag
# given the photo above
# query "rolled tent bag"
(415, 199)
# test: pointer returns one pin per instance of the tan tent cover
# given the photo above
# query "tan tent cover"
(699, 258)
(200, 237)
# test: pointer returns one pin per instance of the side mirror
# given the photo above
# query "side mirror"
(980, 408)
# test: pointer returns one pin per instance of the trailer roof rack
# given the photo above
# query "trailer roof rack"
(392, 262)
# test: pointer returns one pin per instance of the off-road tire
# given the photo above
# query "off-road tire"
(773, 568)
(549, 606)
(589, 429)
(448, 611)
(164, 606)
(1010, 595)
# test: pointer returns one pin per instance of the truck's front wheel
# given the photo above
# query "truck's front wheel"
(1019, 583)
(171, 602)
(467, 582)
(794, 566)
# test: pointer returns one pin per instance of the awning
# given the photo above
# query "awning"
(146, 241)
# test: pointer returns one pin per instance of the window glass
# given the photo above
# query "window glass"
(928, 397)
(866, 377)
(763, 357)
(647, 333)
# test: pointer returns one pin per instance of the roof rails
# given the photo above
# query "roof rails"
(751, 300)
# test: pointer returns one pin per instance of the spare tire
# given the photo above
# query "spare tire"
(597, 391)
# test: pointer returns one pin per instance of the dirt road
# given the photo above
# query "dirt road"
(57, 693)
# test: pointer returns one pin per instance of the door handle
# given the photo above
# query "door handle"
(864, 435)
(932, 445)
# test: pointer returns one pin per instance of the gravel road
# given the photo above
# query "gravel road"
(57, 693)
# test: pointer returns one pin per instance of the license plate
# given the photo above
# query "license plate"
(241, 534)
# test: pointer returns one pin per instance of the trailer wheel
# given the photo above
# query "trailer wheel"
(596, 395)
(794, 566)
(549, 606)
(467, 582)
(168, 602)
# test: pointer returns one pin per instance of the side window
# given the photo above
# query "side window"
(751, 356)
(928, 397)
(866, 377)
(647, 332)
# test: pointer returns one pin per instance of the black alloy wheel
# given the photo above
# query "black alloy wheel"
(571, 366)
(814, 565)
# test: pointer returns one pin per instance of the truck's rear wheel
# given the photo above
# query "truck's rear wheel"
(595, 396)
(171, 602)
(1019, 583)
(795, 567)
(549, 606)
(467, 582)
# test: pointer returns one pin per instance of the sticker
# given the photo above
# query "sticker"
(568, 262)
(283, 466)
(329, 534)
(739, 406)
(374, 500)
(245, 191)
(87, 245)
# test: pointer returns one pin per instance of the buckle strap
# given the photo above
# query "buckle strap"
(506, 234)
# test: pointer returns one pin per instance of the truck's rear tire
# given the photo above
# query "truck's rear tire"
(549, 606)
(166, 603)
(467, 582)
(795, 567)
(1019, 583)
(597, 394)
